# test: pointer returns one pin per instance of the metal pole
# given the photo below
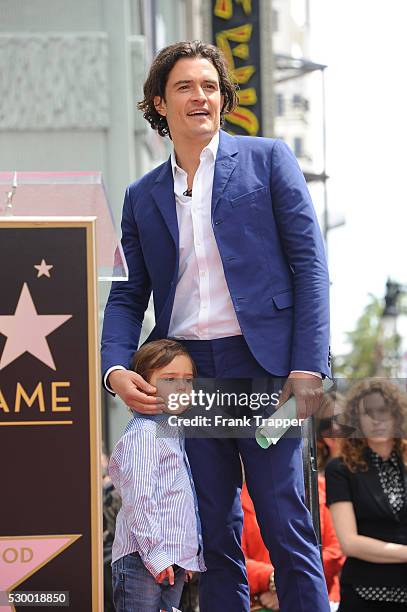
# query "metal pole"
(309, 430)
(309, 457)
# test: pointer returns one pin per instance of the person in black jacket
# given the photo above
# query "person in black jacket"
(366, 492)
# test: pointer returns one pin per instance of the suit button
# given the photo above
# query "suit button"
(218, 221)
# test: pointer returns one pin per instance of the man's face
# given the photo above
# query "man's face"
(193, 100)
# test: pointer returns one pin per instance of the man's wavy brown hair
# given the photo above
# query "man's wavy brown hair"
(158, 76)
(352, 449)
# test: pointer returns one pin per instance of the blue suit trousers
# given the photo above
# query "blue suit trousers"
(275, 482)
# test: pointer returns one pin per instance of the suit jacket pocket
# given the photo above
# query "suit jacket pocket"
(284, 300)
(250, 197)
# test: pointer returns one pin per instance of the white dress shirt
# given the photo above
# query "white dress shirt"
(202, 309)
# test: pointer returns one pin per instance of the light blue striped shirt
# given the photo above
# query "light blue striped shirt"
(159, 514)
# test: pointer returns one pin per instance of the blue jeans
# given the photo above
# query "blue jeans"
(135, 589)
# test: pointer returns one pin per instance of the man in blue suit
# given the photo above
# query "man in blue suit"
(225, 236)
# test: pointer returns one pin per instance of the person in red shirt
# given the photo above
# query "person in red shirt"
(332, 555)
(260, 570)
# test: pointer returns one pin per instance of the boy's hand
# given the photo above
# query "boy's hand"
(167, 573)
(135, 392)
(188, 575)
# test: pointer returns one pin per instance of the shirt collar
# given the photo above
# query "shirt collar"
(379, 461)
(212, 148)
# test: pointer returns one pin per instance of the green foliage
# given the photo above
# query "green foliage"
(369, 349)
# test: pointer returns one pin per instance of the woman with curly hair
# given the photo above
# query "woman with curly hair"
(366, 492)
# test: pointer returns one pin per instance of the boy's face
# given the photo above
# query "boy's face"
(172, 381)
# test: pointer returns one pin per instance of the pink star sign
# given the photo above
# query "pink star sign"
(43, 269)
(26, 331)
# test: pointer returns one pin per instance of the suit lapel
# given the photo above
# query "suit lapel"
(163, 190)
(226, 161)
(163, 195)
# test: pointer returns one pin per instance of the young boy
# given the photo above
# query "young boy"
(158, 542)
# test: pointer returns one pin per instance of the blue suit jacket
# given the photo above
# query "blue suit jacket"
(271, 249)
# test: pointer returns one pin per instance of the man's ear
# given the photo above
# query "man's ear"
(160, 106)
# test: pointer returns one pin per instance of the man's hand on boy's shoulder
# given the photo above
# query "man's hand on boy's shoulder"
(167, 573)
(135, 392)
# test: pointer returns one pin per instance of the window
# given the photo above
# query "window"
(274, 20)
(170, 22)
(299, 12)
(300, 103)
(298, 147)
(280, 105)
